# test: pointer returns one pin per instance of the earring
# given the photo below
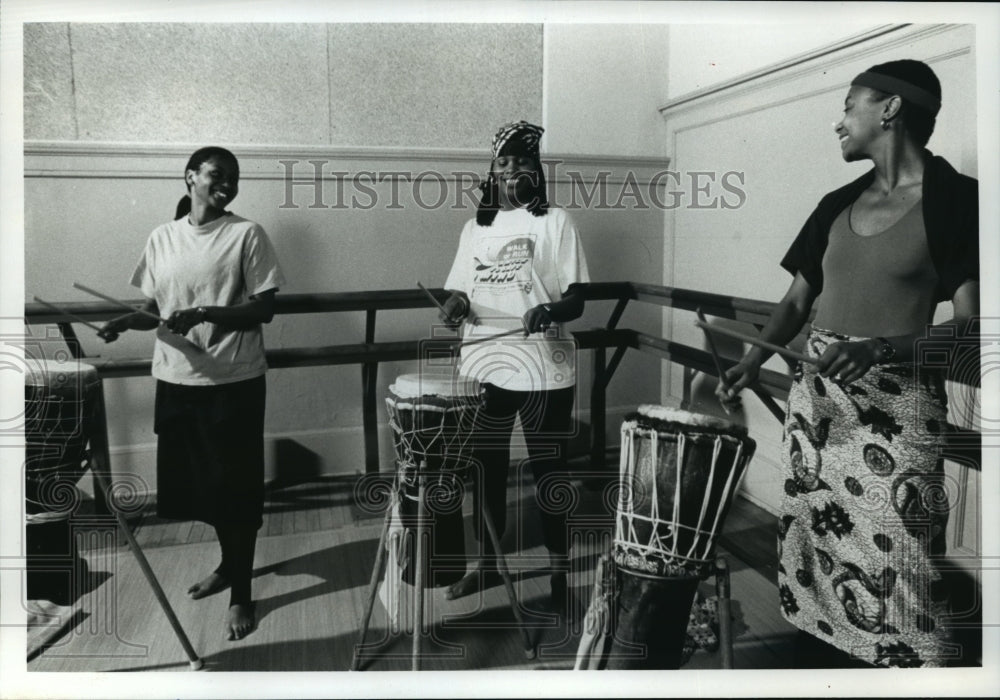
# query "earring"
(886, 124)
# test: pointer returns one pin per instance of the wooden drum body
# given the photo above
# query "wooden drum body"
(678, 474)
(432, 417)
(59, 401)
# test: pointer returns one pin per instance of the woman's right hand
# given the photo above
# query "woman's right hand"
(737, 378)
(457, 309)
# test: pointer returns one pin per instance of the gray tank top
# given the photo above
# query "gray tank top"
(878, 285)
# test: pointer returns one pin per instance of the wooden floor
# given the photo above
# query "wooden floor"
(314, 560)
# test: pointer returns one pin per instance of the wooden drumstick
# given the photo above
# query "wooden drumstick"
(117, 302)
(711, 346)
(785, 352)
(491, 337)
(715, 357)
(76, 319)
(434, 300)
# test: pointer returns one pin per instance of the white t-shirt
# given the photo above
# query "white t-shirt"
(518, 262)
(222, 263)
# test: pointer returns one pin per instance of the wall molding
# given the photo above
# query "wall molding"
(104, 160)
(820, 61)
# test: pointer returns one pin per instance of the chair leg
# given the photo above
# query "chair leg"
(725, 612)
(529, 647)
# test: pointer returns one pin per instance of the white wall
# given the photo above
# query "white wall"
(703, 55)
(103, 167)
(604, 84)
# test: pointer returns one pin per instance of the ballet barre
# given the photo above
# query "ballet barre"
(63, 312)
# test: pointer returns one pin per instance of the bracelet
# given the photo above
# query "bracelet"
(886, 350)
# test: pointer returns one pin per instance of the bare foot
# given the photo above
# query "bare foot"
(479, 579)
(240, 621)
(213, 583)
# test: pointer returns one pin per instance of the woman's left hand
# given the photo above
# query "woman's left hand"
(847, 361)
(182, 321)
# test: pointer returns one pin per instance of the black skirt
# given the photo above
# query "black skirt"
(210, 452)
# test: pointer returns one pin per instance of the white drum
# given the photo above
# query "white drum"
(433, 418)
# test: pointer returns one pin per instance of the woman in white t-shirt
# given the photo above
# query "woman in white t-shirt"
(517, 266)
(213, 276)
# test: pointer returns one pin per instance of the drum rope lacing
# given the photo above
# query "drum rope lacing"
(662, 541)
(414, 443)
(57, 409)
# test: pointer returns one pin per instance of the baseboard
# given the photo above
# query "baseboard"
(301, 455)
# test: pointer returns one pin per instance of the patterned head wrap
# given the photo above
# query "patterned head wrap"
(517, 137)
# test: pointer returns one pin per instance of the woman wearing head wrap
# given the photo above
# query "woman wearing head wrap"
(517, 266)
(863, 517)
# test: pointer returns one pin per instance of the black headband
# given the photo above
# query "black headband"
(896, 86)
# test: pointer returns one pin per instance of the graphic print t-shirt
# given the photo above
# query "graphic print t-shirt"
(519, 262)
(222, 263)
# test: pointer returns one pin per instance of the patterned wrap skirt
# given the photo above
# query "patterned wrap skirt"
(862, 526)
(210, 452)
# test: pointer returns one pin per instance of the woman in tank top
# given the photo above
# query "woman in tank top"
(863, 518)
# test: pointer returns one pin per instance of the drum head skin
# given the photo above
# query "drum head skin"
(672, 420)
(444, 384)
(54, 374)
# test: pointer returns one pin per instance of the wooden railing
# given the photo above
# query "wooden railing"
(771, 387)
(369, 353)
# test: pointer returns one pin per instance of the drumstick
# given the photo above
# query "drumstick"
(491, 337)
(711, 346)
(715, 357)
(118, 302)
(790, 354)
(76, 319)
(433, 299)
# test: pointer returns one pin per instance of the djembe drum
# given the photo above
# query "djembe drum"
(432, 416)
(678, 474)
(59, 401)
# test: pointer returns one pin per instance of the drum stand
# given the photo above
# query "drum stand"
(101, 470)
(418, 583)
(596, 643)
(725, 612)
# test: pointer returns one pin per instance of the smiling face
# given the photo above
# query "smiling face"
(215, 184)
(860, 126)
(517, 179)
